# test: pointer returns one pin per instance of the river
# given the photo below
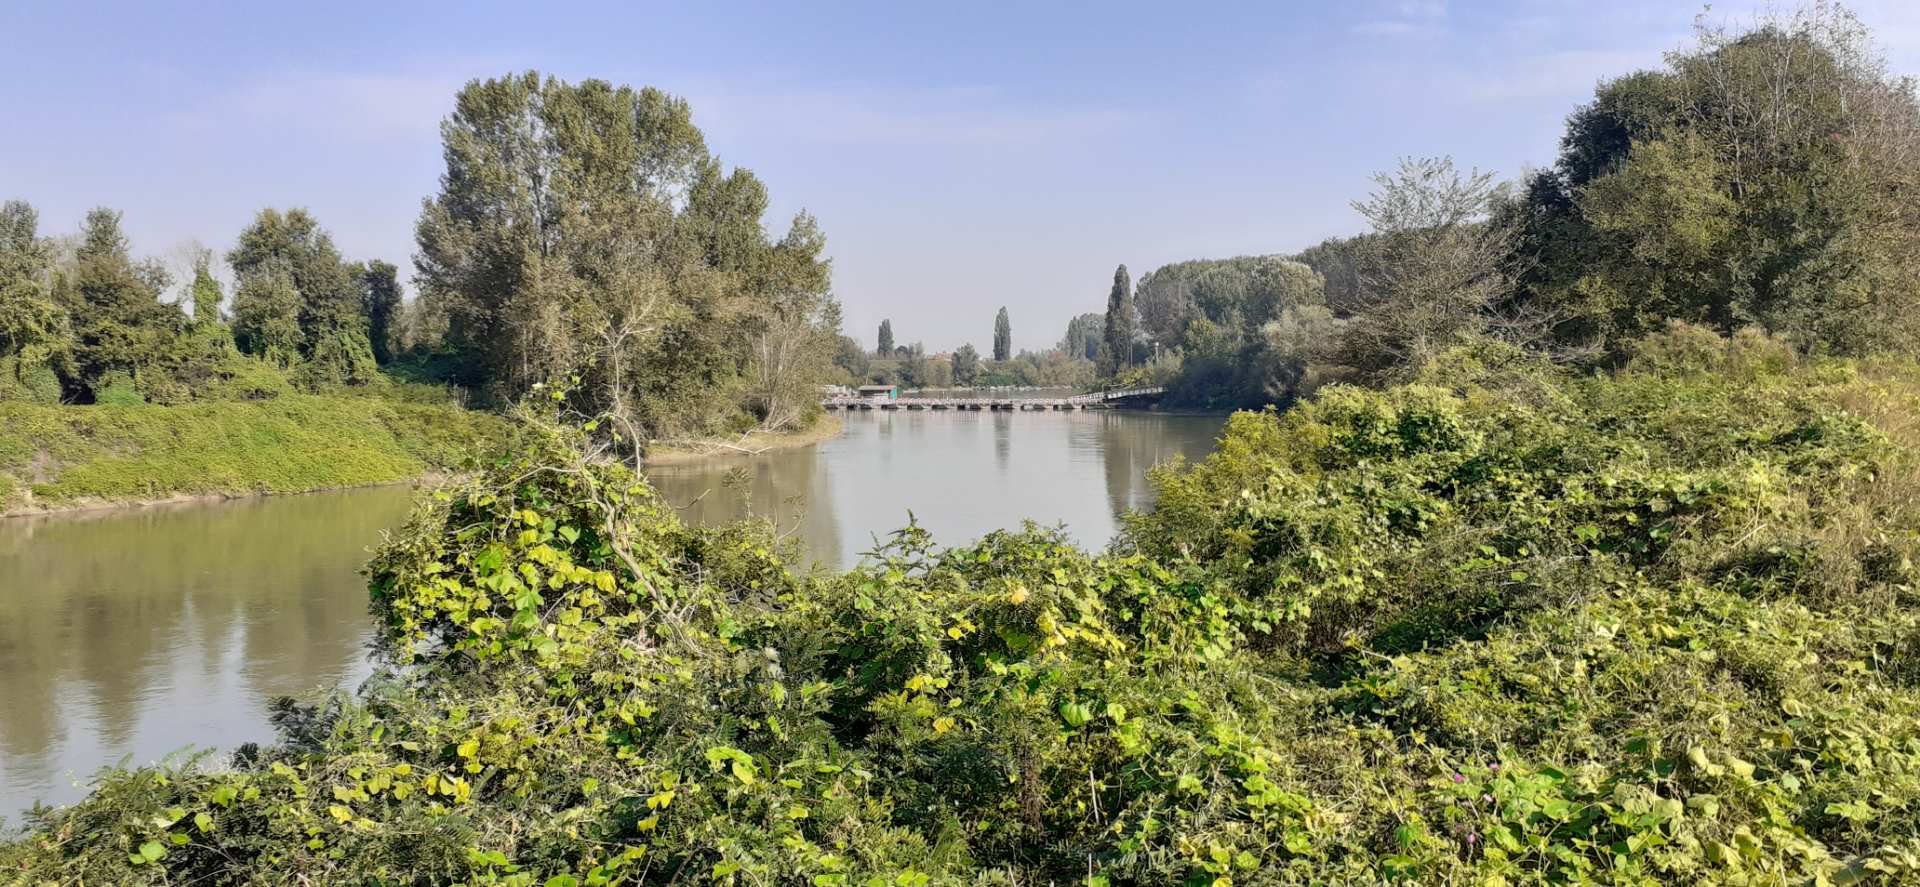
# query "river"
(131, 635)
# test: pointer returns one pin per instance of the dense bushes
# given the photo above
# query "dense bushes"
(1504, 625)
(32, 384)
(1757, 177)
(1228, 333)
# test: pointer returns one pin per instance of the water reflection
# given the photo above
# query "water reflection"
(137, 633)
(960, 474)
(133, 634)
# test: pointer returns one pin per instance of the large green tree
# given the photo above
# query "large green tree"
(1434, 272)
(1085, 334)
(1235, 333)
(584, 231)
(380, 290)
(795, 332)
(1166, 298)
(120, 325)
(266, 316)
(852, 358)
(966, 365)
(1002, 336)
(912, 369)
(289, 249)
(209, 344)
(33, 329)
(886, 339)
(1338, 261)
(1251, 327)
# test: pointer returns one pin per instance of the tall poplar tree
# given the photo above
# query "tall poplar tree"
(1117, 353)
(886, 338)
(1002, 336)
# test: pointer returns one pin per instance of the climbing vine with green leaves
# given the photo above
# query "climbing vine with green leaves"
(1506, 625)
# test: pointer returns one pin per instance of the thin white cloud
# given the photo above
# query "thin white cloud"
(958, 116)
(373, 107)
(1573, 72)
(1404, 18)
(357, 108)
(406, 107)
(1387, 28)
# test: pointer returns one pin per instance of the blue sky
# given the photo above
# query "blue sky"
(960, 156)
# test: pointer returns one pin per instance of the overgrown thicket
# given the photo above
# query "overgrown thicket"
(1505, 624)
(280, 389)
(1608, 579)
(1761, 177)
(585, 230)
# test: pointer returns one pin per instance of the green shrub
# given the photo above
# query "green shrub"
(1504, 626)
(118, 390)
(246, 378)
(35, 383)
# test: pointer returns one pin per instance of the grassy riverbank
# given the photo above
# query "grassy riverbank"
(753, 443)
(64, 457)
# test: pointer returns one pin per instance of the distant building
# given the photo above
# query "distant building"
(880, 392)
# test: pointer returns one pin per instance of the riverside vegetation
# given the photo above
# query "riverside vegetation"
(1758, 177)
(634, 264)
(1504, 624)
(1544, 578)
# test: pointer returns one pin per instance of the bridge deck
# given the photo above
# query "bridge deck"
(1094, 401)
